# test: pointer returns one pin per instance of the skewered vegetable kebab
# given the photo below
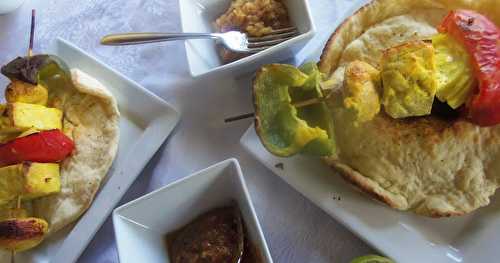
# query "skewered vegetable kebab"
(32, 146)
(458, 66)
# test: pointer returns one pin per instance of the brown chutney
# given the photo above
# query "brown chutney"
(217, 236)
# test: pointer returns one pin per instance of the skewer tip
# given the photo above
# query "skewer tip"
(239, 117)
(32, 32)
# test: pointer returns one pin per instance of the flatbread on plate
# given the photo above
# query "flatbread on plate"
(91, 118)
(425, 165)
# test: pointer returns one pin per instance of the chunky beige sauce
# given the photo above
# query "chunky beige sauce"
(253, 17)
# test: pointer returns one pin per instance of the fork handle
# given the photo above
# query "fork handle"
(142, 38)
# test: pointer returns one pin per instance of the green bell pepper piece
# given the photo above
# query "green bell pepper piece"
(55, 76)
(284, 129)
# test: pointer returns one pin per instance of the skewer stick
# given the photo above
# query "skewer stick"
(30, 53)
(240, 117)
(296, 105)
(18, 204)
(32, 33)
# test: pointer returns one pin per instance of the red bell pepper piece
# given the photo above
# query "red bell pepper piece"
(43, 147)
(481, 38)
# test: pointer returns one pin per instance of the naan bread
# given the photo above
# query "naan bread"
(91, 118)
(426, 165)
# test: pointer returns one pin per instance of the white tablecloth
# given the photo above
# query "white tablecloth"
(295, 229)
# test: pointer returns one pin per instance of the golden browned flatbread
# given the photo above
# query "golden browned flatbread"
(425, 165)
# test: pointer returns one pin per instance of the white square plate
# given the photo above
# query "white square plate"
(405, 237)
(197, 16)
(145, 122)
(141, 225)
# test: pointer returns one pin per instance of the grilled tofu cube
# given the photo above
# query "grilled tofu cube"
(41, 179)
(409, 79)
(7, 131)
(19, 234)
(29, 180)
(28, 116)
(20, 91)
(361, 91)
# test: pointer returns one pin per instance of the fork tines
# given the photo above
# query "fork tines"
(277, 36)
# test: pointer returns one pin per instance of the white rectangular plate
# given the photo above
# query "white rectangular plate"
(145, 122)
(402, 236)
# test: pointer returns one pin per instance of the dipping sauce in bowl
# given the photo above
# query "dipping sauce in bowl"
(217, 236)
(256, 18)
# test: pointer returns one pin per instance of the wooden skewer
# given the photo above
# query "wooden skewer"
(296, 105)
(32, 33)
(30, 53)
(18, 204)
(240, 117)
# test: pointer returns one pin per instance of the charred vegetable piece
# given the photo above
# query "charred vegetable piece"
(361, 91)
(28, 180)
(283, 128)
(31, 116)
(30, 69)
(409, 79)
(43, 147)
(19, 91)
(214, 237)
(480, 37)
(454, 71)
(26, 68)
(19, 234)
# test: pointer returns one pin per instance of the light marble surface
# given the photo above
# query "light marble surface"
(296, 230)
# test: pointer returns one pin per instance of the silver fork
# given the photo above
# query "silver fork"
(233, 40)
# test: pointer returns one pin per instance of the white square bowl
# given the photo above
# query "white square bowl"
(141, 225)
(197, 16)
